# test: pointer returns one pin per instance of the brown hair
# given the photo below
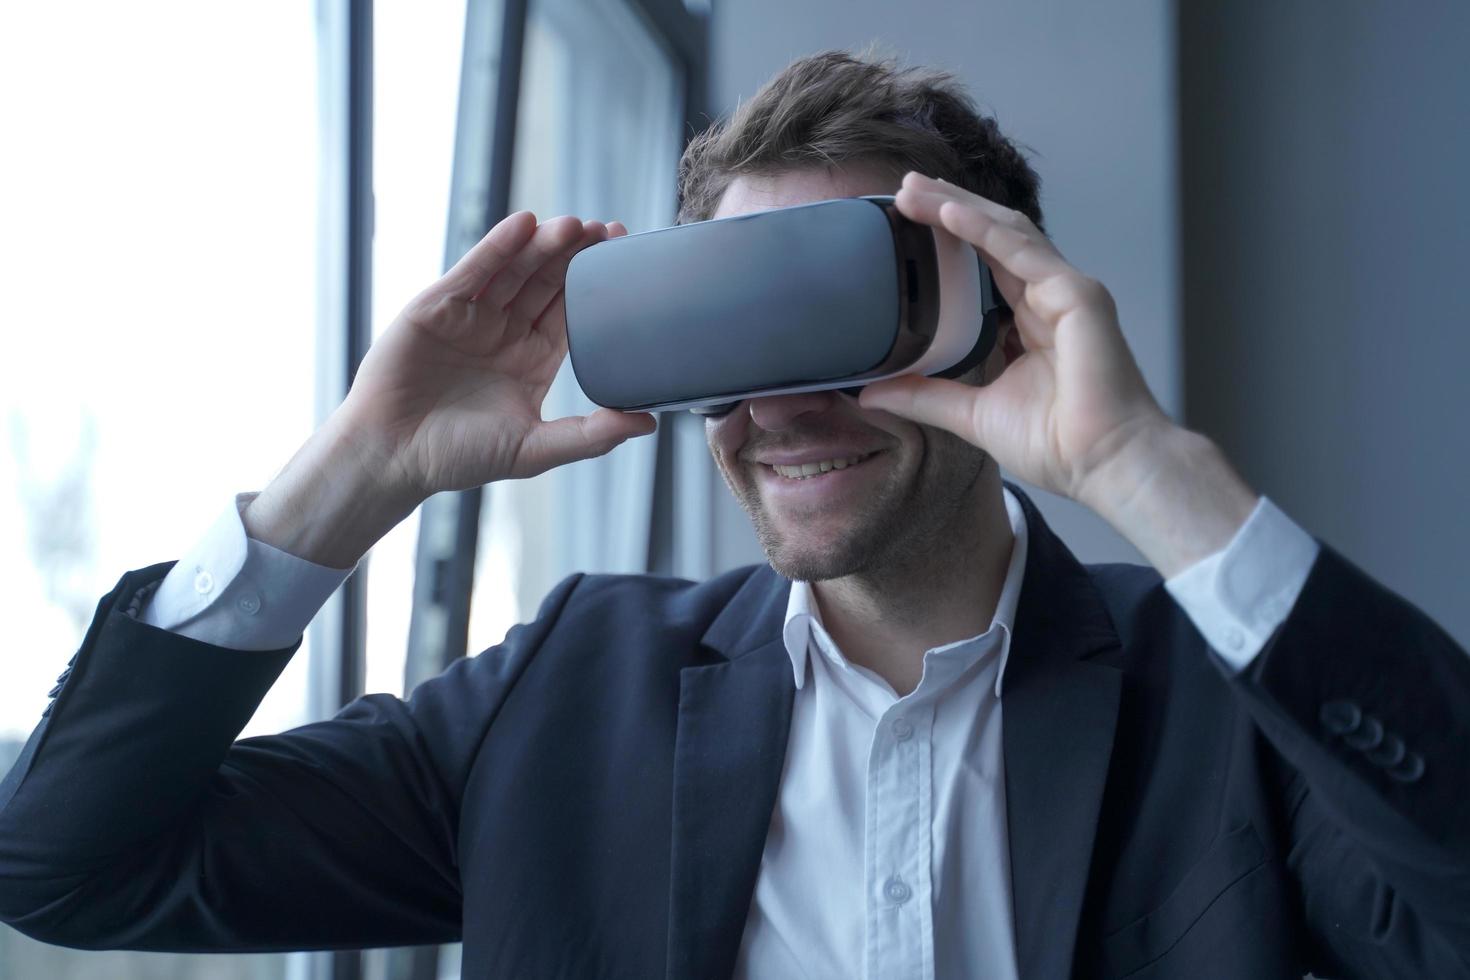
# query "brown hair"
(834, 108)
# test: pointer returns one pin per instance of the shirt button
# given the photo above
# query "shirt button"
(1234, 638)
(203, 583)
(896, 890)
(903, 730)
(249, 603)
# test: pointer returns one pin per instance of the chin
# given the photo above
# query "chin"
(805, 567)
(808, 560)
(825, 544)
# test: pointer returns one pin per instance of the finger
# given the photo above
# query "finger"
(916, 181)
(486, 257)
(543, 285)
(567, 440)
(932, 192)
(1010, 242)
(1053, 287)
(1049, 286)
(1018, 249)
(913, 180)
(921, 205)
(1027, 267)
(551, 239)
(944, 404)
(552, 323)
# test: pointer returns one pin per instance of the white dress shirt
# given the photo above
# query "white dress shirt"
(888, 852)
(888, 855)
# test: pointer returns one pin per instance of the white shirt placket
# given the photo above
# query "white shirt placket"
(898, 863)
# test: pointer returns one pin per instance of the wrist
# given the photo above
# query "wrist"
(331, 503)
(1172, 494)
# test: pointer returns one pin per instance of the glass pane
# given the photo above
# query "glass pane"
(416, 62)
(159, 248)
(416, 71)
(600, 115)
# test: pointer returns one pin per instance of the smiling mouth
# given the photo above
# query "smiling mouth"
(805, 471)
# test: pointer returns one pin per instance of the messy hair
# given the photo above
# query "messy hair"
(836, 108)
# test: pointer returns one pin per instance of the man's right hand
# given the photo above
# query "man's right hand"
(448, 398)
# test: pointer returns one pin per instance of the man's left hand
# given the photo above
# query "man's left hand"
(1072, 413)
(1075, 399)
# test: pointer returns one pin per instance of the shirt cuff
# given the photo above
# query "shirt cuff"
(233, 591)
(1238, 596)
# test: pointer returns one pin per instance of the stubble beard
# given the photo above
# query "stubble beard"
(901, 528)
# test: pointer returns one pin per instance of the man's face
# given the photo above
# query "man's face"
(888, 492)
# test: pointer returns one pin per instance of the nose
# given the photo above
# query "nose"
(776, 412)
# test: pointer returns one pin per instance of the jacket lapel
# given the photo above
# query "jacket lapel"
(1059, 712)
(734, 719)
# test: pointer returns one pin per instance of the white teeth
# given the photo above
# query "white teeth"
(804, 470)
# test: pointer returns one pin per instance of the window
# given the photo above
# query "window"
(159, 248)
(416, 67)
(174, 266)
(598, 135)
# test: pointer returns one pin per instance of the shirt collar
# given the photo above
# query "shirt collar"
(803, 616)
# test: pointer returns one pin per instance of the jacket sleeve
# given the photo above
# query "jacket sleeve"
(1368, 701)
(131, 821)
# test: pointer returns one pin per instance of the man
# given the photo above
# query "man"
(924, 741)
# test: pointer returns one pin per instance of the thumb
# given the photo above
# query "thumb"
(940, 402)
(562, 441)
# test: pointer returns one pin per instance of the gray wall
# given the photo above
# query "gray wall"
(1088, 87)
(1326, 149)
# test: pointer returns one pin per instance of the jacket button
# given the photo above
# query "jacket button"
(1340, 717)
(1410, 769)
(1390, 753)
(1368, 736)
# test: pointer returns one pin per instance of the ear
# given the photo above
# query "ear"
(1006, 350)
(1009, 340)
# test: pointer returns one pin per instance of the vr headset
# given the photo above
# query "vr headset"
(832, 295)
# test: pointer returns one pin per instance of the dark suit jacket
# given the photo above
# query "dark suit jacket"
(591, 797)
